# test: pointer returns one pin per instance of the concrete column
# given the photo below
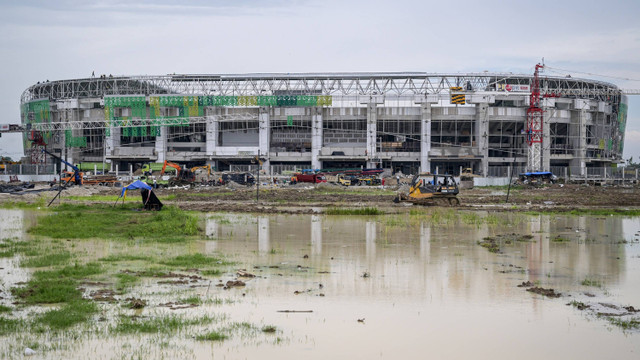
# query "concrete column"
(264, 140)
(161, 145)
(546, 141)
(482, 135)
(212, 135)
(316, 137)
(112, 142)
(425, 137)
(578, 132)
(372, 126)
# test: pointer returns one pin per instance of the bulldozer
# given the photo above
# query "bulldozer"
(431, 189)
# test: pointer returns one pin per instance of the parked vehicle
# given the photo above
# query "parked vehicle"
(338, 179)
(537, 178)
(243, 178)
(311, 178)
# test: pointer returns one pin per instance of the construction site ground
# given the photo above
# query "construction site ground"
(306, 198)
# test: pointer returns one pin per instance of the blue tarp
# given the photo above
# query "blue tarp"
(536, 173)
(135, 185)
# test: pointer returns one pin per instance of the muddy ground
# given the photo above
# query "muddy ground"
(304, 198)
(310, 199)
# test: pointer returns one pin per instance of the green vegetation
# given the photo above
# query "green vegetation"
(4, 309)
(559, 239)
(125, 281)
(191, 300)
(131, 197)
(120, 222)
(56, 286)
(269, 329)
(212, 336)
(212, 272)
(194, 260)
(125, 257)
(40, 202)
(578, 305)
(167, 324)
(592, 212)
(70, 314)
(490, 244)
(8, 326)
(591, 282)
(358, 211)
(47, 260)
(630, 324)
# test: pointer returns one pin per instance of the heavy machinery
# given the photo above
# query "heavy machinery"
(75, 176)
(431, 189)
(310, 178)
(206, 168)
(184, 176)
(339, 179)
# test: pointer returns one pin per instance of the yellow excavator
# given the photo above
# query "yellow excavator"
(207, 169)
(431, 189)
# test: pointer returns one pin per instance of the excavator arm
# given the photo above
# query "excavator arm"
(170, 164)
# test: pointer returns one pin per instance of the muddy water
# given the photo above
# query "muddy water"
(431, 291)
(400, 287)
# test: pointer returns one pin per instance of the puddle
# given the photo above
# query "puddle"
(363, 287)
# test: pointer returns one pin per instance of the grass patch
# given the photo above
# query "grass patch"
(167, 324)
(125, 281)
(625, 324)
(591, 282)
(56, 286)
(359, 211)
(559, 239)
(8, 253)
(194, 260)
(10, 326)
(5, 309)
(113, 198)
(120, 222)
(47, 260)
(212, 336)
(125, 257)
(69, 315)
(212, 272)
(191, 300)
(269, 329)
(40, 202)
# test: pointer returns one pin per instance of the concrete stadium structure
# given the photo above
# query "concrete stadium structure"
(407, 122)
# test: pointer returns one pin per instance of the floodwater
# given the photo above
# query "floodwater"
(391, 287)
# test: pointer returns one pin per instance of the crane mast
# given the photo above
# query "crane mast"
(535, 117)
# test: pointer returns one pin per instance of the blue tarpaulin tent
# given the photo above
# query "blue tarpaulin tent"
(135, 185)
(149, 199)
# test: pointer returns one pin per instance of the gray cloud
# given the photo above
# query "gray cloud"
(68, 39)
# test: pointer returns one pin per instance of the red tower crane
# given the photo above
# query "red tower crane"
(535, 117)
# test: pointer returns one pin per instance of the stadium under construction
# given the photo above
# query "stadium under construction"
(406, 122)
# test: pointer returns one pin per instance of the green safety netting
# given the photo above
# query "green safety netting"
(74, 141)
(189, 106)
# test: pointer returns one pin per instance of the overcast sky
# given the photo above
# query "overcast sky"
(53, 40)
